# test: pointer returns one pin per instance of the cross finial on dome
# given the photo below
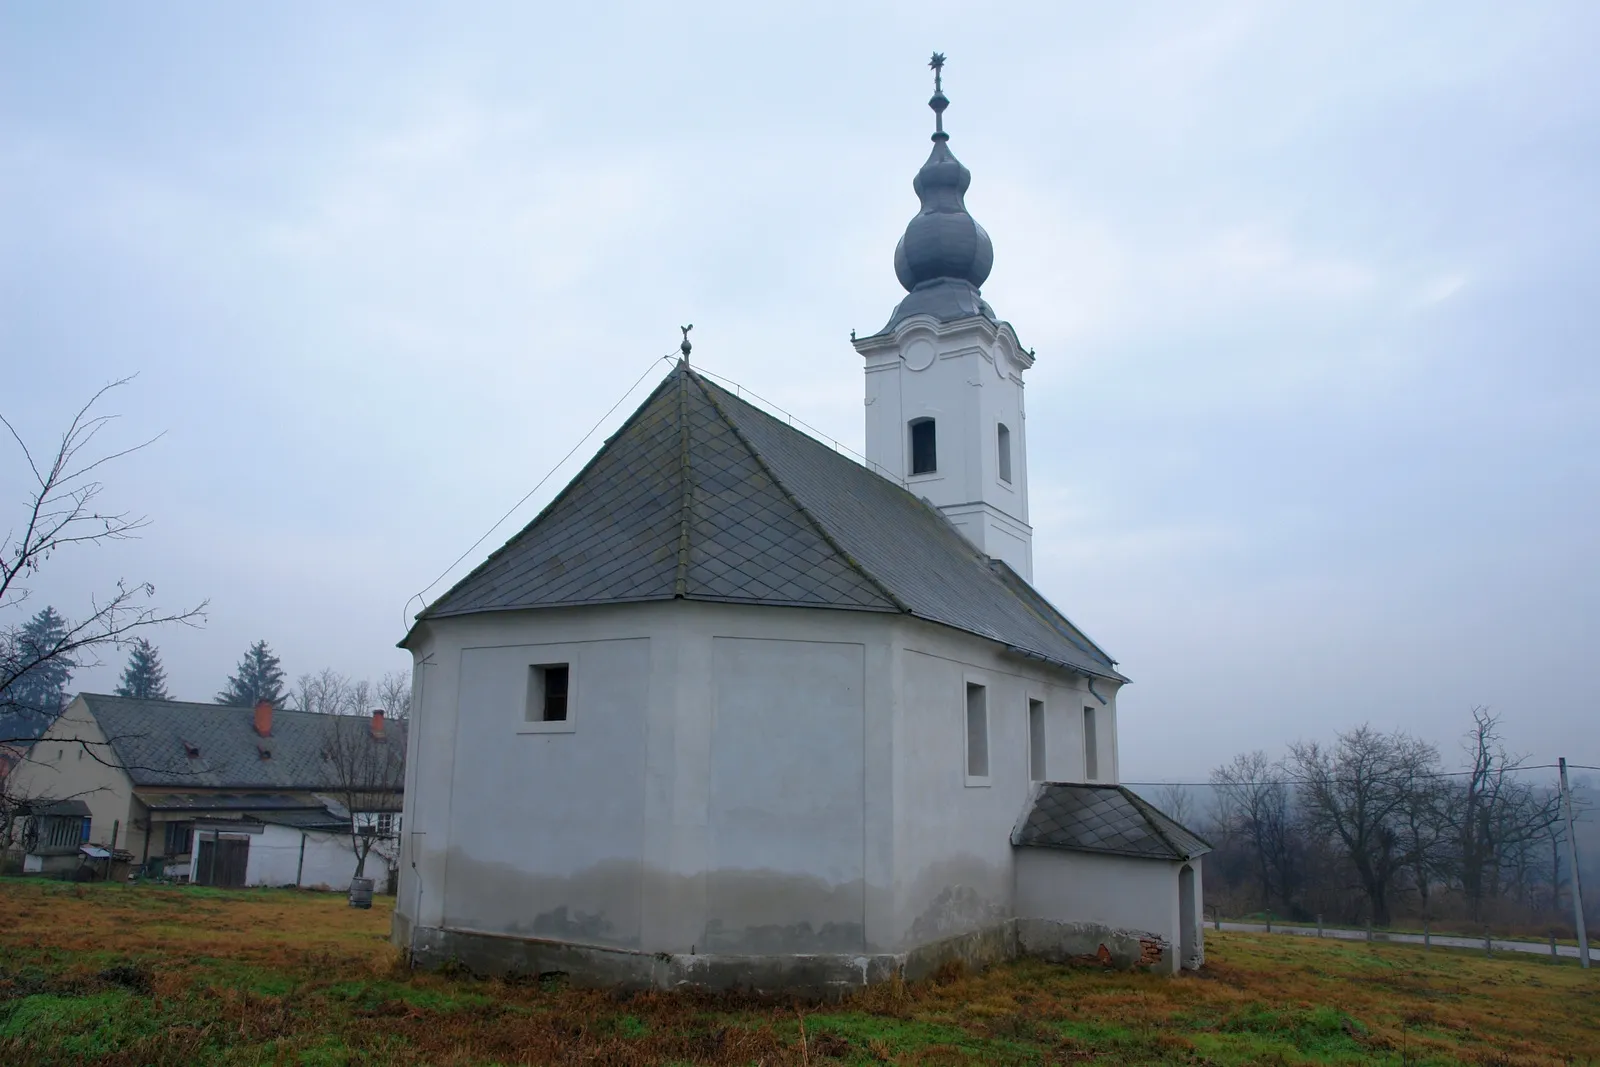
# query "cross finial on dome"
(939, 101)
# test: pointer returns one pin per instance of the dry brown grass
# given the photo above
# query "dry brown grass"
(147, 975)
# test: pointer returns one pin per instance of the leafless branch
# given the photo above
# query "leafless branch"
(61, 513)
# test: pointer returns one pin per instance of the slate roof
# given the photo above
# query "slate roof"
(148, 738)
(323, 820)
(702, 496)
(54, 807)
(1109, 819)
(259, 802)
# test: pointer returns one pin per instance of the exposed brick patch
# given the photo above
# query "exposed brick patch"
(1150, 950)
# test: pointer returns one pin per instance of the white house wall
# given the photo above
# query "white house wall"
(786, 808)
(737, 780)
(275, 859)
(1117, 893)
(952, 850)
(661, 815)
(72, 761)
(546, 831)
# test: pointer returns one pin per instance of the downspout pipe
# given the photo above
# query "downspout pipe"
(1092, 693)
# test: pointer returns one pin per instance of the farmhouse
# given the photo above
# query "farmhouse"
(736, 710)
(210, 794)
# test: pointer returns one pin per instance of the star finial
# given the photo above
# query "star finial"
(686, 346)
(939, 101)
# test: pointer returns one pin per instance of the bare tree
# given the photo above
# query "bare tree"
(1494, 818)
(327, 692)
(1422, 820)
(394, 695)
(1255, 805)
(62, 513)
(1174, 800)
(1354, 794)
(367, 758)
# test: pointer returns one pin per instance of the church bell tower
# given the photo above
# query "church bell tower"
(944, 376)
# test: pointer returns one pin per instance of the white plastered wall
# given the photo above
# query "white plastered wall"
(276, 859)
(736, 779)
(967, 377)
(1120, 893)
(952, 835)
(717, 785)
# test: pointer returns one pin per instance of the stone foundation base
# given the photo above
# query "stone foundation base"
(820, 976)
(1062, 942)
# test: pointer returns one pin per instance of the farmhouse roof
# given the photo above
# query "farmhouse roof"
(703, 496)
(152, 741)
(1109, 819)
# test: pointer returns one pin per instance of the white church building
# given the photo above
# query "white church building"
(737, 711)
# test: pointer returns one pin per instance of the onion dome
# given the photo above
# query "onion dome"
(944, 255)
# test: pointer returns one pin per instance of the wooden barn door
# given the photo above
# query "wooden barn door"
(222, 863)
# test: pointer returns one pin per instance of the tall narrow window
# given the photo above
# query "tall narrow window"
(1091, 747)
(1036, 740)
(977, 731)
(1003, 448)
(547, 692)
(924, 447)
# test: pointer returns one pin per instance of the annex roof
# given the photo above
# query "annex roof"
(152, 741)
(703, 496)
(1109, 819)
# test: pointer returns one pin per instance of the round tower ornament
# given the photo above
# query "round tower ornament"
(942, 242)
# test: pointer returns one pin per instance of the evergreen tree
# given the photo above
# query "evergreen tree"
(32, 702)
(260, 677)
(144, 676)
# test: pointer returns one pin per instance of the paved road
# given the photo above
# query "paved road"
(1443, 940)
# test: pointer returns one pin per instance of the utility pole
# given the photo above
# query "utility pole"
(1572, 858)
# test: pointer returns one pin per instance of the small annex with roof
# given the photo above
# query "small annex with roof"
(735, 710)
(216, 794)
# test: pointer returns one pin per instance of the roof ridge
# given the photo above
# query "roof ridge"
(1145, 810)
(213, 706)
(680, 581)
(557, 499)
(816, 526)
(958, 539)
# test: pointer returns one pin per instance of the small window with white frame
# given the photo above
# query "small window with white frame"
(977, 734)
(1002, 440)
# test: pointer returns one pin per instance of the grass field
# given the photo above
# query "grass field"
(145, 975)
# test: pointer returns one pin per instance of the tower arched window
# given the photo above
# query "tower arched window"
(924, 447)
(1003, 451)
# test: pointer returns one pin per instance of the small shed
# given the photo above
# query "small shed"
(1101, 872)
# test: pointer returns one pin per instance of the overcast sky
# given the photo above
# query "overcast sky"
(1315, 423)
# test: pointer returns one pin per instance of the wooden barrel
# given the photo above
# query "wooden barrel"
(361, 892)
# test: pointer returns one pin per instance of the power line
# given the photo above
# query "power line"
(740, 390)
(744, 391)
(1289, 780)
(548, 474)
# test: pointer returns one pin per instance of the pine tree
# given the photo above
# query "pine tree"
(260, 677)
(144, 676)
(34, 700)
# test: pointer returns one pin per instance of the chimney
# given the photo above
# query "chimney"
(264, 718)
(377, 724)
